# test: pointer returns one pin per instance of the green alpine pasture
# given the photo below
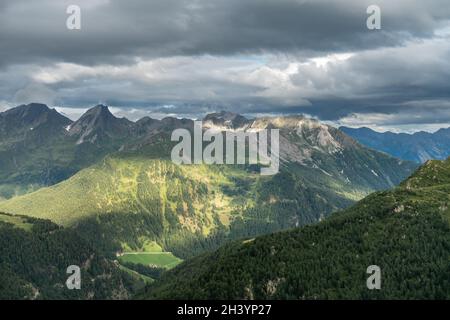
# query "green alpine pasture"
(153, 259)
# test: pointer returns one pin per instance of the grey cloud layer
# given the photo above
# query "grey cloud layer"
(191, 57)
(116, 30)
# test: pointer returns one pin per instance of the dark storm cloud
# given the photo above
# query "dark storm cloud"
(117, 31)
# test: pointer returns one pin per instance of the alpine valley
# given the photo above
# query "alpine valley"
(102, 193)
(404, 231)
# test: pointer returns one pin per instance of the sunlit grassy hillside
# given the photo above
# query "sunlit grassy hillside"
(129, 200)
(195, 195)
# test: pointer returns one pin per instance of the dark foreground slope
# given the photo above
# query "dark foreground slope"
(404, 231)
(35, 254)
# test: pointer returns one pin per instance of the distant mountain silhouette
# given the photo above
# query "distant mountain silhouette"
(418, 147)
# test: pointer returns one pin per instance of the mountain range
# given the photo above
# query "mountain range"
(322, 170)
(40, 147)
(111, 182)
(418, 147)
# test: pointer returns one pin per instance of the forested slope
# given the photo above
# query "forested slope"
(405, 232)
(35, 255)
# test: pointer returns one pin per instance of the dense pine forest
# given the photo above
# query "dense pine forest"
(35, 255)
(405, 232)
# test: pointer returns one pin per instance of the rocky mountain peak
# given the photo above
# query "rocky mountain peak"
(225, 120)
(98, 112)
(31, 113)
(98, 122)
(33, 116)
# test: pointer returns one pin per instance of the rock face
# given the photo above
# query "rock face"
(302, 136)
(99, 124)
(225, 121)
(319, 147)
(30, 120)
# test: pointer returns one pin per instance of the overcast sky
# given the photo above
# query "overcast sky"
(187, 58)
